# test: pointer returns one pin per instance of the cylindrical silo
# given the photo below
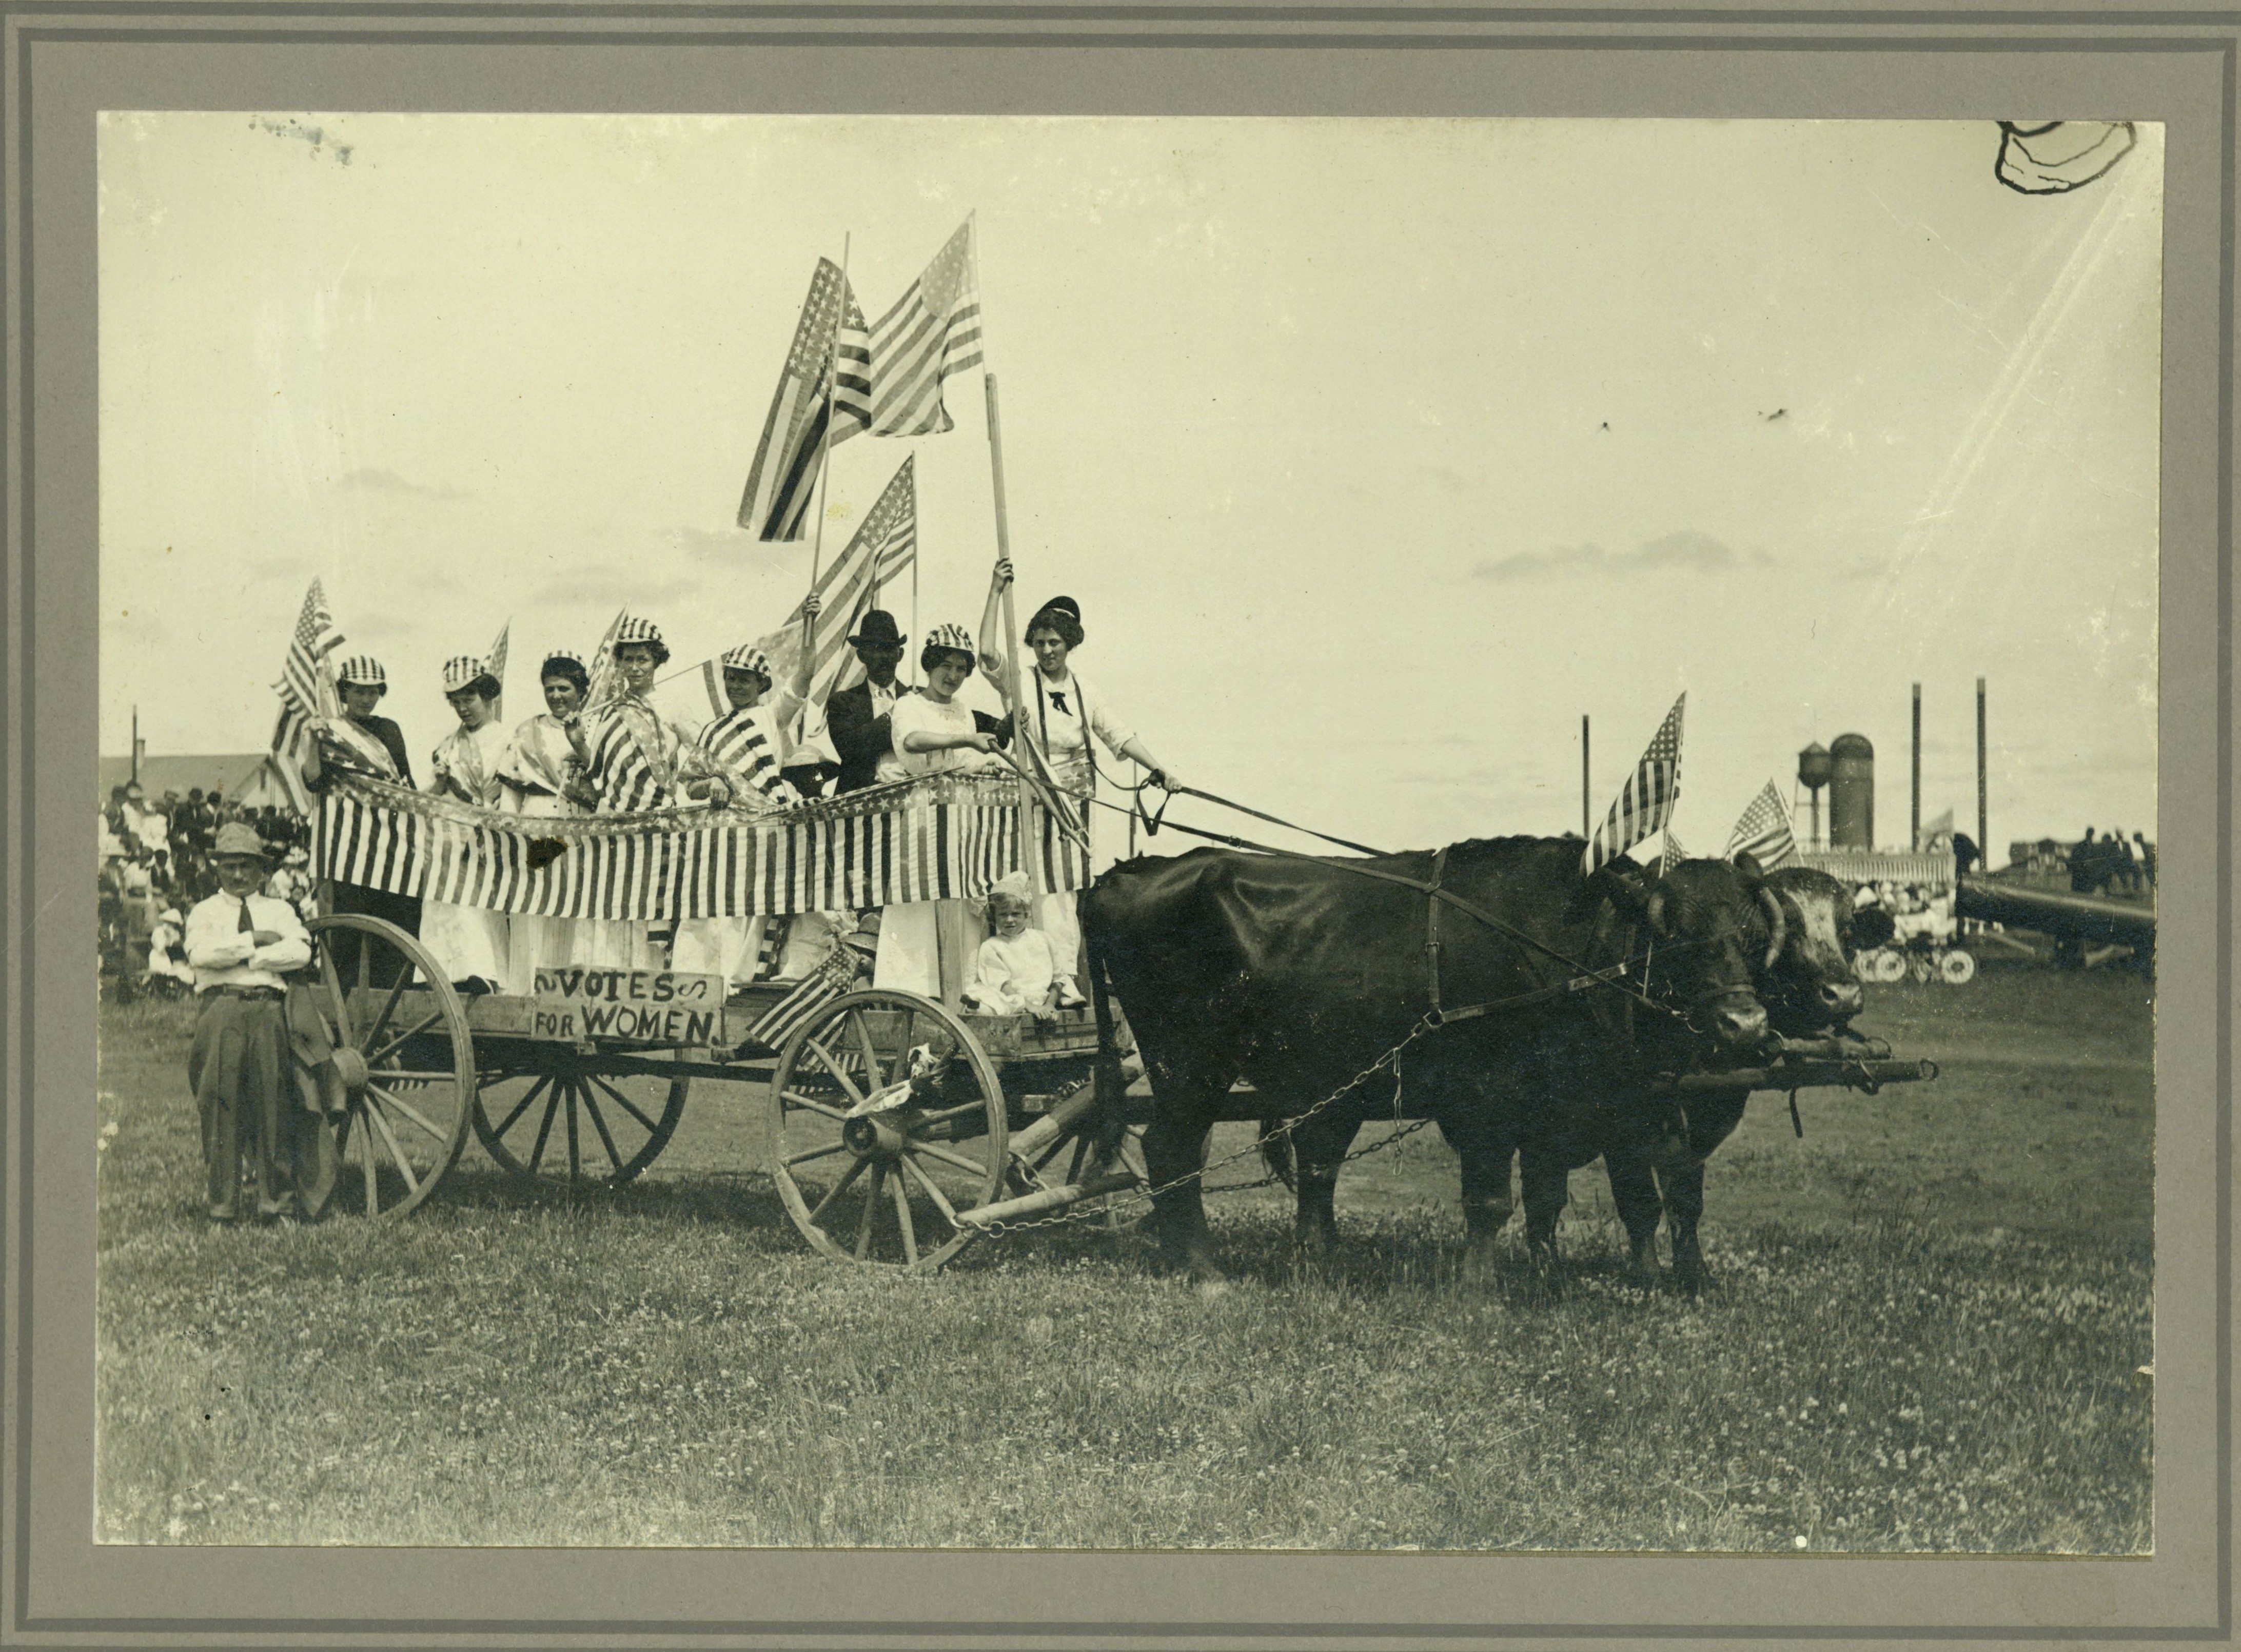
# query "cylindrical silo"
(1851, 793)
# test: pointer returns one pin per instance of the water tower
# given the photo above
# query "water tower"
(1852, 792)
(1813, 769)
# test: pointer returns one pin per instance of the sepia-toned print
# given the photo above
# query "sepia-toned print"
(1280, 834)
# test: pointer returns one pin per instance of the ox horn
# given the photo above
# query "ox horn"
(1776, 925)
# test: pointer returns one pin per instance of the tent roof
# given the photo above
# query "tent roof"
(225, 771)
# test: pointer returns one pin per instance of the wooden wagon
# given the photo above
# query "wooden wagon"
(898, 1126)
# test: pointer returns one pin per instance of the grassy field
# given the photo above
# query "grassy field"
(1926, 1324)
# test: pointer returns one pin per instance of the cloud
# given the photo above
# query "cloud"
(380, 481)
(1685, 552)
(733, 547)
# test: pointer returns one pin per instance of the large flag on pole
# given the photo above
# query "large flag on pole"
(932, 331)
(783, 475)
(1645, 802)
(1763, 829)
(883, 548)
(307, 691)
(496, 661)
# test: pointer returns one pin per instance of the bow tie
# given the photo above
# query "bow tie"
(1058, 698)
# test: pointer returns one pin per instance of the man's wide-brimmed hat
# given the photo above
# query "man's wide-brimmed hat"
(878, 630)
(235, 839)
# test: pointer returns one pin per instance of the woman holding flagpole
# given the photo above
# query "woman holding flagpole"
(1061, 711)
(542, 775)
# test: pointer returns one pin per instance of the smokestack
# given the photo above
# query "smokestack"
(1914, 807)
(1984, 825)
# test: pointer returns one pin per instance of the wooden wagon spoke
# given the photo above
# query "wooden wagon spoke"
(523, 1105)
(373, 1058)
(545, 1128)
(817, 1152)
(838, 1115)
(903, 1221)
(871, 1204)
(411, 1113)
(575, 1146)
(833, 1067)
(935, 1150)
(599, 1124)
(939, 1198)
(372, 1169)
(389, 1004)
(838, 1187)
(364, 964)
(874, 1072)
(623, 1101)
(942, 1115)
(396, 1152)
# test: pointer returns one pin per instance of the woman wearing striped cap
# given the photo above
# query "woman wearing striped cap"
(744, 750)
(935, 732)
(634, 760)
(469, 941)
(544, 778)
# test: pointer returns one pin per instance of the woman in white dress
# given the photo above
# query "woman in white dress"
(935, 733)
(544, 778)
(468, 942)
(1061, 711)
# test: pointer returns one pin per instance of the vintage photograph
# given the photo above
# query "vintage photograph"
(1152, 833)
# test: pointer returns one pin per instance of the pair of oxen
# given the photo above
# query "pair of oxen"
(1297, 973)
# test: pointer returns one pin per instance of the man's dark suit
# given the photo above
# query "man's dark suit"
(860, 738)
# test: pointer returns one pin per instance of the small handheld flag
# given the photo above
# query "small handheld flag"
(1763, 830)
(1645, 802)
(307, 691)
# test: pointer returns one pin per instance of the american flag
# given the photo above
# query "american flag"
(1645, 802)
(1764, 830)
(497, 663)
(604, 677)
(933, 330)
(306, 690)
(880, 552)
(783, 475)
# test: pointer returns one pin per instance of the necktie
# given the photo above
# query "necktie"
(247, 923)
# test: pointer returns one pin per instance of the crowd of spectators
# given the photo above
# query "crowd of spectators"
(2112, 864)
(155, 865)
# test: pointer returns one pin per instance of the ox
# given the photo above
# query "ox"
(1299, 974)
(1811, 989)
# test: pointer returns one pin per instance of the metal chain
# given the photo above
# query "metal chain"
(1424, 1023)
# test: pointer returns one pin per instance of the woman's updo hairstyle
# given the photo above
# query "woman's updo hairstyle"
(569, 666)
(1062, 615)
(931, 655)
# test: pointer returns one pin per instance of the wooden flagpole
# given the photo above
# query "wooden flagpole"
(825, 454)
(996, 480)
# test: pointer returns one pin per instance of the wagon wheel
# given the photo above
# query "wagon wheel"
(1957, 968)
(403, 1056)
(563, 1123)
(883, 1189)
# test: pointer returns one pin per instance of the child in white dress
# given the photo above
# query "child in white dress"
(1018, 969)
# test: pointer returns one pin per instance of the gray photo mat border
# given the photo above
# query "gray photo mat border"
(63, 63)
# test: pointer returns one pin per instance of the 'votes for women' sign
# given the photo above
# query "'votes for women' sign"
(643, 1006)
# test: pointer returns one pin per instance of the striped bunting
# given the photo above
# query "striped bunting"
(942, 838)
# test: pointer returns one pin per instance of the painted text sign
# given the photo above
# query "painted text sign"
(641, 1005)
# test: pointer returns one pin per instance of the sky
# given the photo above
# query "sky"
(1377, 453)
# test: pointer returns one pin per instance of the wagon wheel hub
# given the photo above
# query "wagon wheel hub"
(351, 1067)
(876, 1137)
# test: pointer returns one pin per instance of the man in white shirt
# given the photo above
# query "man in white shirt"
(240, 944)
